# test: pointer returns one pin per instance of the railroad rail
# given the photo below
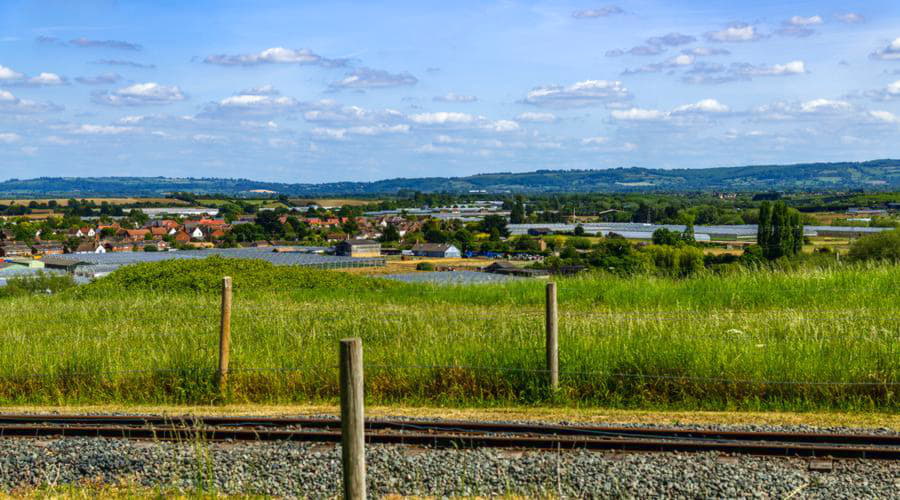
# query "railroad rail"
(457, 434)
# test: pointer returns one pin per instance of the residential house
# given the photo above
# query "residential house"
(158, 232)
(439, 250)
(135, 235)
(15, 250)
(48, 248)
(182, 237)
(358, 248)
(197, 233)
(118, 246)
(90, 247)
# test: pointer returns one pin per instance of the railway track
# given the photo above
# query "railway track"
(457, 434)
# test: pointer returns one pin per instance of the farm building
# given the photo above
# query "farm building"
(441, 250)
(358, 248)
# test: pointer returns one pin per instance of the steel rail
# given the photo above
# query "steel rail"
(461, 427)
(448, 440)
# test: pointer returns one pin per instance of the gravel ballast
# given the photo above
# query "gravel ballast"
(313, 470)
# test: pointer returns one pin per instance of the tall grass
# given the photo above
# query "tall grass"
(767, 340)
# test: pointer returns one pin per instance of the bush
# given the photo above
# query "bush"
(424, 266)
(676, 261)
(880, 246)
(205, 276)
(39, 283)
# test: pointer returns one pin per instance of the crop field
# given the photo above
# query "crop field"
(826, 339)
(98, 201)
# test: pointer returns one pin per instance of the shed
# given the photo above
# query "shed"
(65, 264)
(358, 248)
(15, 250)
(440, 250)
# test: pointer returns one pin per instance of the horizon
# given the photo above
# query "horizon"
(307, 94)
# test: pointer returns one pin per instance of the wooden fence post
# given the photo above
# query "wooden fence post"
(353, 444)
(552, 316)
(225, 333)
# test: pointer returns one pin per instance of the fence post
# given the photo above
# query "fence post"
(225, 333)
(552, 317)
(353, 445)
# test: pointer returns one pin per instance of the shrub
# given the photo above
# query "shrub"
(205, 276)
(879, 246)
(424, 266)
(39, 283)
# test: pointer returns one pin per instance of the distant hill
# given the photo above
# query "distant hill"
(874, 175)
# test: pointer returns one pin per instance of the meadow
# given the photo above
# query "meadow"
(753, 340)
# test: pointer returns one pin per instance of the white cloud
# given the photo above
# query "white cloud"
(736, 33)
(790, 68)
(594, 141)
(49, 79)
(379, 129)
(705, 52)
(804, 21)
(452, 97)
(9, 137)
(531, 116)
(367, 78)
(29, 150)
(432, 149)
(275, 55)
(442, 118)
(584, 93)
(88, 129)
(58, 141)
(704, 106)
(267, 89)
(850, 17)
(682, 60)
(638, 114)
(250, 105)
(8, 74)
(13, 105)
(140, 94)
(501, 126)
(889, 53)
(885, 116)
(207, 138)
(824, 105)
(609, 10)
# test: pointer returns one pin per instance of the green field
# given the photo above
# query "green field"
(826, 339)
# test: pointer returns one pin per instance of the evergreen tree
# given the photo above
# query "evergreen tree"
(517, 214)
(764, 227)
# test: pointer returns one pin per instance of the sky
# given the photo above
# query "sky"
(355, 91)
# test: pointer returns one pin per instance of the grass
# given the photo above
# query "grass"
(750, 341)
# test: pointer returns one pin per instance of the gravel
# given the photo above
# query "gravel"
(311, 470)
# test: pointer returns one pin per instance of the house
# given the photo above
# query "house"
(182, 237)
(15, 250)
(358, 248)
(136, 234)
(90, 247)
(48, 248)
(441, 250)
(84, 232)
(118, 246)
(159, 233)
(197, 233)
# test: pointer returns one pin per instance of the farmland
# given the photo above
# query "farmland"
(764, 340)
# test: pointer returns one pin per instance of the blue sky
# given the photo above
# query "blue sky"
(333, 91)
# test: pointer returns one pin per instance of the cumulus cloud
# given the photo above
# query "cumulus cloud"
(9, 137)
(609, 10)
(638, 114)
(705, 52)
(703, 106)
(267, 89)
(531, 116)
(795, 31)
(11, 77)
(823, 106)
(123, 62)
(790, 68)
(802, 109)
(735, 33)
(275, 55)
(250, 105)
(432, 149)
(338, 134)
(594, 141)
(89, 129)
(804, 21)
(884, 116)
(14, 105)
(712, 73)
(140, 94)
(888, 93)
(367, 78)
(501, 126)
(452, 97)
(889, 53)
(442, 118)
(671, 40)
(107, 44)
(103, 79)
(850, 17)
(579, 94)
